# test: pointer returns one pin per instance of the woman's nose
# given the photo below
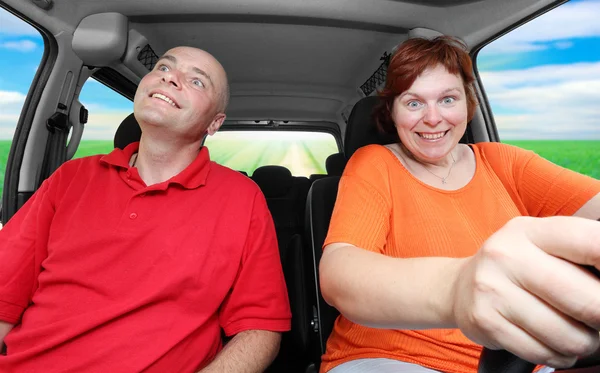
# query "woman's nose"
(432, 116)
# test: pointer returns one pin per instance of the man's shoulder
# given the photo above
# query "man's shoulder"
(232, 180)
(88, 162)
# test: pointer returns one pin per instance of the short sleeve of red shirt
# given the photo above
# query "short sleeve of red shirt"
(22, 249)
(258, 299)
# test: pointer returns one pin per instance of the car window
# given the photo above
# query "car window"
(106, 110)
(303, 153)
(21, 48)
(542, 81)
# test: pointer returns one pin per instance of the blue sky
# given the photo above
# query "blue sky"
(542, 80)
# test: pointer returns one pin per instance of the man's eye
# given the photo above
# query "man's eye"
(163, 68)
(198, 82)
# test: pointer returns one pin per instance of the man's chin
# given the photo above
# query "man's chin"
(151, 118)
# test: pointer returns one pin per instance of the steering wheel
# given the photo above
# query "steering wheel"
(501, 361)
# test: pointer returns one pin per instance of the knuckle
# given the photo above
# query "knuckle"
(560, 362)
(590, 314)
(544, 356)
(583, 344)
(482, 318)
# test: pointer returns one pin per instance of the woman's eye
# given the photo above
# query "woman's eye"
(413, 104)
(448, 100)
(198, 82)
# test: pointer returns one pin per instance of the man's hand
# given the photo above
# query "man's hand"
(251, 351)
(4, 329)
(524, 293)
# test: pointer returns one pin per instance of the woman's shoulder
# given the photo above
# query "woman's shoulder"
(497, 151)
(370, 152)
(491, 147)
(369, 156)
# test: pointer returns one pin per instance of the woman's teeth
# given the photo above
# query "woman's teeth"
(432, 136)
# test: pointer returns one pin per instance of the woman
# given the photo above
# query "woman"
(436, 247)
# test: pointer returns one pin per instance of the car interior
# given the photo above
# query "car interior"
(292, 65)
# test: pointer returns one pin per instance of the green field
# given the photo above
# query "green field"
(305, 158)
(580, 155)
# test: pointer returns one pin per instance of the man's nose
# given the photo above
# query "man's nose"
(432, 115)
(172, 77)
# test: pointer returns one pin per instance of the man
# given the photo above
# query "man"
(137, 260)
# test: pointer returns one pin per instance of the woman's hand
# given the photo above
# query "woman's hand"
(523, 293)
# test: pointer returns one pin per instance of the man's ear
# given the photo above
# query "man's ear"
(216, 123)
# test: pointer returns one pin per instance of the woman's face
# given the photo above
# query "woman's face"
(431, 116)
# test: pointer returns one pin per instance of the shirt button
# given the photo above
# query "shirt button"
(133, 215)
(143, 195)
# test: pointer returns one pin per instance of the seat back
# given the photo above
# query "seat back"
(129, 131)
(319, 207)
(334, 164)
(286, 198)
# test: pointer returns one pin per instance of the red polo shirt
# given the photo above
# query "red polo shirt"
(106, 274)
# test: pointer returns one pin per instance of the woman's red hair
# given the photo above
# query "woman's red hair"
(410, 60)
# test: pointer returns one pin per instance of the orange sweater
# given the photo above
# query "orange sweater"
(381, 207)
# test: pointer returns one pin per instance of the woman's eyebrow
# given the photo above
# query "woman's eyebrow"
(409, 93)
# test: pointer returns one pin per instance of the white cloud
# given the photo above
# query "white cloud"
(12, 25)
(552, 101)
(11, 98)
(568, 21)
(19, 45)
(11, 103)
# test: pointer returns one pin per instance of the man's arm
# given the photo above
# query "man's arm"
(4, 329)
(250, 351)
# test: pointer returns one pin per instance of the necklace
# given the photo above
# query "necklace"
(449, 170)
(426, 169)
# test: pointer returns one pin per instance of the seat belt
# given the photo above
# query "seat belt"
(56, 146)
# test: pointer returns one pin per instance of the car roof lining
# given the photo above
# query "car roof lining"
(289, 79)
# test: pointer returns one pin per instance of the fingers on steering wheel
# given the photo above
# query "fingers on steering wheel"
(559, 332)
(565, 286)
(522, 344)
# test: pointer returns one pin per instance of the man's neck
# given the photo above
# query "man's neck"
(159, 161)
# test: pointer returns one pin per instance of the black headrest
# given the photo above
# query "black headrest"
(129, 131)
(361, 129)
(274, 181)
(335, 163)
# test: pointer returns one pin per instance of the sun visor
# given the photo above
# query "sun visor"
(140, 57)
(101, 39)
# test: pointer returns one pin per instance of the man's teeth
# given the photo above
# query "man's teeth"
(432, 136)
(164, 98)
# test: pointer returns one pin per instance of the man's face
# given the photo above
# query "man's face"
(182, 94)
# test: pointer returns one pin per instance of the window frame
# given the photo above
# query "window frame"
(11, 198)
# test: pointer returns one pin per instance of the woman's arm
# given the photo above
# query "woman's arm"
(523, 291)
(379, 291)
